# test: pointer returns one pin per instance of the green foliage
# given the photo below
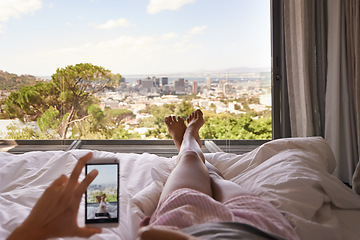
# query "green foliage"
(77, 85)
(236, 127)
(160, 132)
(160, 112)
(121, 133)
(32, 101)
(116, 116)
(100, 126)
(68, 98)
(48, 123)
(97, 116)
(184, 109)
(78, 82)
(15, 131)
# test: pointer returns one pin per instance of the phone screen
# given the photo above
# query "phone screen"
(102, 195)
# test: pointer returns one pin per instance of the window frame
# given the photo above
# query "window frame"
(278, 90)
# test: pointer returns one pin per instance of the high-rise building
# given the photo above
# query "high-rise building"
(164, 81)
(156, 82)
(195, 87)
(179, 85)
(208, 82)
(147, 83)
(179, 82)
(226, 88)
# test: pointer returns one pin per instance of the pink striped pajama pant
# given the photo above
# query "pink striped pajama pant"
(186, 207)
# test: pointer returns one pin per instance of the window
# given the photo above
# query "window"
(163, 57)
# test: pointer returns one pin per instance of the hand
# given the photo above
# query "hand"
(55, 213)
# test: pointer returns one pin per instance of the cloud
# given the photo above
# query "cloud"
(111, 24)
(198, 30)
(121, 46)
(124, 54)
(156, 6)
(169, 36)
(15, 8)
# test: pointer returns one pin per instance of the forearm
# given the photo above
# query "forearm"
(24, 231)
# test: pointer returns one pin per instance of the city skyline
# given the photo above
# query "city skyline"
(137, 37)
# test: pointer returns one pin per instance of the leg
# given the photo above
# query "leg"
(190, 171)
(223, 190)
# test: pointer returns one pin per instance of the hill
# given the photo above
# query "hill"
(11, 81)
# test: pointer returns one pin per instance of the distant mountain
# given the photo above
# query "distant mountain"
(11, 81)
(245, 70)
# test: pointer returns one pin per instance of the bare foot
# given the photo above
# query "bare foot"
(176, 127)
(195, 122)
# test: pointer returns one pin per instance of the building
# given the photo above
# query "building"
(179, 85)
(164, 81)
(208, 83)
(156, 82)
(195, 88)
(147, 83)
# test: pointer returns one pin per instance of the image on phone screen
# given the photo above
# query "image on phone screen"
(101, 197)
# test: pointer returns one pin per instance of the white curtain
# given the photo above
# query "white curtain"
(297, 67)
(305, 56)
(322, 73)
(341, 128)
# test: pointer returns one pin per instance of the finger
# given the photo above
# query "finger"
(58, 185)
(73, 180)
(85, 183)
(49, 198)
(60, 181)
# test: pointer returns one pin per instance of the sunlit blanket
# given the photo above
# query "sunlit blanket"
(292, 174)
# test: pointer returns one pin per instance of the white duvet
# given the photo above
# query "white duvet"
(292, 174)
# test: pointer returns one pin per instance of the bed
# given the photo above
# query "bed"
(292, 174)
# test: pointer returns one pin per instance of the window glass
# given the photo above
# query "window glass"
(108, 69)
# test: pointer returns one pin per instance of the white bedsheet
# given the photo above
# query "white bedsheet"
(292, 174)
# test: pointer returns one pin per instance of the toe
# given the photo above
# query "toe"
(167, 120)
(180, 119)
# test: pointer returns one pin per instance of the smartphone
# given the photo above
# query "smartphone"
(102, 195)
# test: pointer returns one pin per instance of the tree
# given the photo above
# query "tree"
(116, 116)
(15, 131)
(77, 85)
(48, 122)
(67, 98)
(32, 101)
(184, 109)
(243, 126)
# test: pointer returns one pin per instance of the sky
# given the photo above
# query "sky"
(107, 174)
(134, 36)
